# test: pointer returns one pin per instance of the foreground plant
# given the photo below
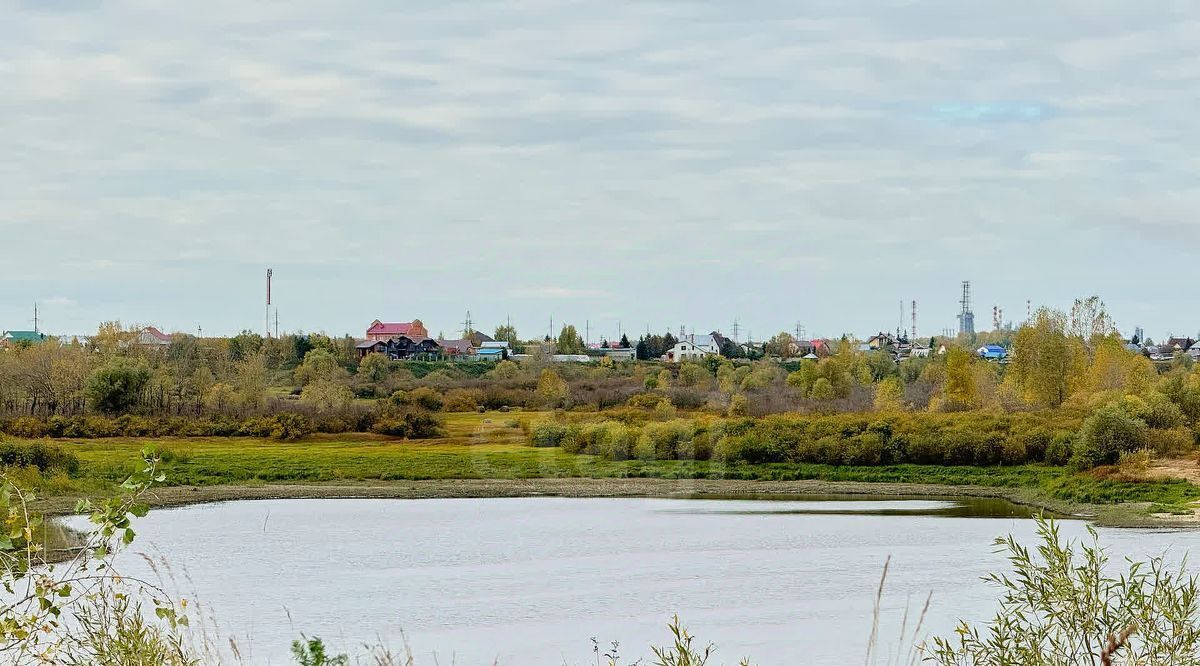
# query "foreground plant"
(78, 610)
(1062, 608)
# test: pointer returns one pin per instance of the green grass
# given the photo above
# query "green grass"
(493, 446)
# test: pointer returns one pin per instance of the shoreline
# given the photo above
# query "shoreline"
(585, 487)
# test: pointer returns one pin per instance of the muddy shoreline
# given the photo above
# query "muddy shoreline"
(175, 496)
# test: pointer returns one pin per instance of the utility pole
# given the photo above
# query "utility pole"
(587, 333)
(270, 273)
(467, 324)
(276, 323)
(36, 323)
(736, 329)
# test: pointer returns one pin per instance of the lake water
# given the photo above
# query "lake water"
(528, 582)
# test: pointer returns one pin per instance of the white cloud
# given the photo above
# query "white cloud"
(440, 156)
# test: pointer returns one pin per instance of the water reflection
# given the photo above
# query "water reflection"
(862, 505)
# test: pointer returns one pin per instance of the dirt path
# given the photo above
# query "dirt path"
(1178, 468)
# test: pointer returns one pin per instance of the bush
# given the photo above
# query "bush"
(1058, 451)
(409, 425)
(670, 440)
(548, 434)
(46, 458)
(1170, 442)
(423, 397)
(27, 427)
(462, 400)
(290, 426)
(1105, 435)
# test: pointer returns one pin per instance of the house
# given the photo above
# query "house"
(919, 351)
(992, 353)
(1177, 345)
(692, 347)
(399, 348)
(1194, 351)
(462, 347)
(880, 341)
(414, 330)
(477, 339)
(19, 338)
(803, 348)
(152, 338)
(619, 353)
(490, 354)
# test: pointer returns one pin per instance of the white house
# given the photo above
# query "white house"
(692, 347)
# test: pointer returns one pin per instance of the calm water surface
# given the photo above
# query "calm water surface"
(528, 582)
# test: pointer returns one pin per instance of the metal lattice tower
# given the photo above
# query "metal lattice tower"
(913, 331)
(966, 318)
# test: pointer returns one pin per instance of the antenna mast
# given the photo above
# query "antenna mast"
(270, 274)
(914, 321)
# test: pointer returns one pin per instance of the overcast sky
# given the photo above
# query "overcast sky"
(654, 163)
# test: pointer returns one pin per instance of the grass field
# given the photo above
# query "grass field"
(494, 446)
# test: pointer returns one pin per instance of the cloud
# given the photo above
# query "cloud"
(558, 293)
(773, 161)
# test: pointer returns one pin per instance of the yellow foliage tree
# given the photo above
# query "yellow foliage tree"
(960, 378)
(889, 395)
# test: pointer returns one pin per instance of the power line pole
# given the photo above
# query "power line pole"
(270, 273)
(467, 323)
(736, 329)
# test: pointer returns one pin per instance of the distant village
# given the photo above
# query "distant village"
(411, 340)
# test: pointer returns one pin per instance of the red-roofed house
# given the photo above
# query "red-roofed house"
(414, 330)
(152, 337)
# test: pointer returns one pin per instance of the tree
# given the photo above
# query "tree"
(327, 395)
(117, 385)
(642, 351)
(822, 390)
(507, 333)
(960, 378)
(552, 390)
(1090, 320)
(889, 395)
(625, 341)
(319, 364)
(569, 341)
(1047, 364)
(374, 367)
(731, 349)
(781, 344)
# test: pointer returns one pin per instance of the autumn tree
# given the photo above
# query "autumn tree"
(781, 344)
(889, 395)
(1047, 363)
(960, 378)
(552, 390)
(569, 341)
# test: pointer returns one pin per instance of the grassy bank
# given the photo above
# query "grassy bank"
(494, 446)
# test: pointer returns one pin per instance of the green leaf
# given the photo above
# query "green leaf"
(128, 536)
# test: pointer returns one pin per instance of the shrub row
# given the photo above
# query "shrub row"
(284, 425)
(47, 458)
(941, 439)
